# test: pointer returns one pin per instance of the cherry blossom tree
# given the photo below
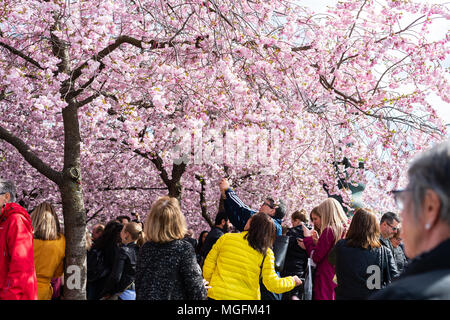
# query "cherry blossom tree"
(107, 105)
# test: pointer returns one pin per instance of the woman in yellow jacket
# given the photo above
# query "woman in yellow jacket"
(237, 261)
(49, 248)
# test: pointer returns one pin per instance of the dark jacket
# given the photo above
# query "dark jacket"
(97, 288)
(168, 271)
(386, 243)
(296, 257)
(426, 277)
(397, 258)
(192, 241)
(123, 270)
(210, 240)
(352, 270)
(239, 213)
(400, 258)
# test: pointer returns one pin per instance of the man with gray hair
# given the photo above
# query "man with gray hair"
(17, 271)
(425, 213)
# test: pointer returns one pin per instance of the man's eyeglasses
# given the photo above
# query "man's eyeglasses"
(399, 198)
(393, 228)
(269, 205)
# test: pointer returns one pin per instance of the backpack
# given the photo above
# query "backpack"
(96, 266)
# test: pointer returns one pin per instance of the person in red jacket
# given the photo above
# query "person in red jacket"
(17, 272)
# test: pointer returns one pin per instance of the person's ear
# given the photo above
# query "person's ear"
(431, 208)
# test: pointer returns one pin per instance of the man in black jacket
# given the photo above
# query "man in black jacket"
(388, 228)
(221, 226)
(425, 212)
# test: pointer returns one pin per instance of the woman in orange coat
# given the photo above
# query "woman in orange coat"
(49, 248)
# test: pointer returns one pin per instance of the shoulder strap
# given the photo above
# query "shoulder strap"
(261, 267)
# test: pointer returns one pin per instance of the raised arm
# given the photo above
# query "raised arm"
(236, 210)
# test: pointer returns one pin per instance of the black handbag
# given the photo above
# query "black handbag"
(280, 247)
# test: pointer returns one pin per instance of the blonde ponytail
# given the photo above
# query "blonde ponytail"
(136, 232)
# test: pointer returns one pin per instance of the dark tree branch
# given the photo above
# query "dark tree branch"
(87, 100)
(302, 48)
(22, 55)
(204, 208)
(30, 156)
(132, 188)
(94, 215)
(75, 93)
(220, 14)
(400, 31)
(384, 73)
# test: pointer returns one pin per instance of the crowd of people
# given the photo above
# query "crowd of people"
(325, 255)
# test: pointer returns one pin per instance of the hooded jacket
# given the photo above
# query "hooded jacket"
(17, 271)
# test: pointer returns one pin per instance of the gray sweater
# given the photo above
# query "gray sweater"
(168, 271)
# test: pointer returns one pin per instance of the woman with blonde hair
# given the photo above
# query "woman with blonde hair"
(167, 267)
(49, 248)
(332, 228)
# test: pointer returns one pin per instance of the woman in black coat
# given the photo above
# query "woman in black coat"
(167, 267)
(362, 264)
(101, 258)
(296, 257)
(120, 283)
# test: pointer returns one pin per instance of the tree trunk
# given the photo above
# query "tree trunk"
(175, 190)
(73, 209)
(75, 232)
